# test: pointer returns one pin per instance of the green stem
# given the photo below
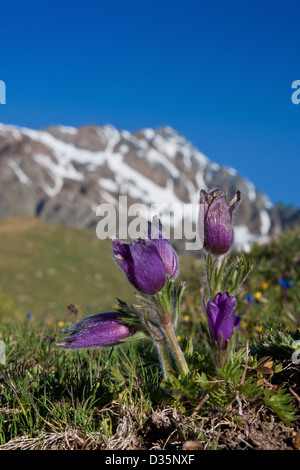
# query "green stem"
(164, 359)
(175, 349)
(214, 273)
(219, 268)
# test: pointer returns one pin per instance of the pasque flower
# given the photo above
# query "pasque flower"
(100, 330)
(222, 319)
(147, 262)
(142, 265)
(217, 220)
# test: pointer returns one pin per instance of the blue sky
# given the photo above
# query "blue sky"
(219, 72)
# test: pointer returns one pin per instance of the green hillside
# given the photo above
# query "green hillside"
(46, 267)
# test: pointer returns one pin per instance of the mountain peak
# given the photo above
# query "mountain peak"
(63, 173)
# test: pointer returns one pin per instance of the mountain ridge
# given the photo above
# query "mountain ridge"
(63, 173)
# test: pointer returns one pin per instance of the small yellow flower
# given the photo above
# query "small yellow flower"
(258, 295)
(60, 324)
(264, 285)
(178, 338)
(186, 318)
(244, 324)
(259, 329)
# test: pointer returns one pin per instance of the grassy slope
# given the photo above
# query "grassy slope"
(112, 398)
(45, 267)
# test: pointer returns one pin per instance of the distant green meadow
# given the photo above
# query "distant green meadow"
(46, 267)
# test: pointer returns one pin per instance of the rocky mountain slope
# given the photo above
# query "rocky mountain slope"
(63, 174)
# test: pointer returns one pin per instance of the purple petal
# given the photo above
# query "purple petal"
(147, 273)
(155, 229)
(168, 256)
(156, 235)
(221, 316)
(142, 265)
(212, 315)
(122, 255)
(218, 231)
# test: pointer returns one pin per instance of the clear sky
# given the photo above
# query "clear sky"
(219, 72)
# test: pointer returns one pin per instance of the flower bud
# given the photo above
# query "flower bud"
(217, 222)
(100, 330)
(221, 317)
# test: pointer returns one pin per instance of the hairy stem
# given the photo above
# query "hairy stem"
(164, 359)
(175, 349)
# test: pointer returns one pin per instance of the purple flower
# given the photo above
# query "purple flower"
(142, 264)
(156, 235)
(221, 317)
(102, 329)
(218, 229)
(147, 261)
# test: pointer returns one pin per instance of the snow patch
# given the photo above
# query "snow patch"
(265, 222)
(167, 147)
(68, 129)
(231, 171)
(124, 149)
(108, 184)
(251, 191)
(23, 178)
(243, 238)
(148, 133)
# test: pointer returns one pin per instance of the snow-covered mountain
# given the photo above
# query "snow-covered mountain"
(63, 173)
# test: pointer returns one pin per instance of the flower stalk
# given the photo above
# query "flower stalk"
(175, 349)
(165, 308)
(223, 279)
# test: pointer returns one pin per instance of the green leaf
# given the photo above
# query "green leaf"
(280, 402)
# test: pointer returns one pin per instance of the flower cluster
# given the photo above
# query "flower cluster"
(151, 266)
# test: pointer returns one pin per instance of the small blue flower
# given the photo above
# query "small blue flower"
(285, 284)
(28, 315)
(250, 298)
